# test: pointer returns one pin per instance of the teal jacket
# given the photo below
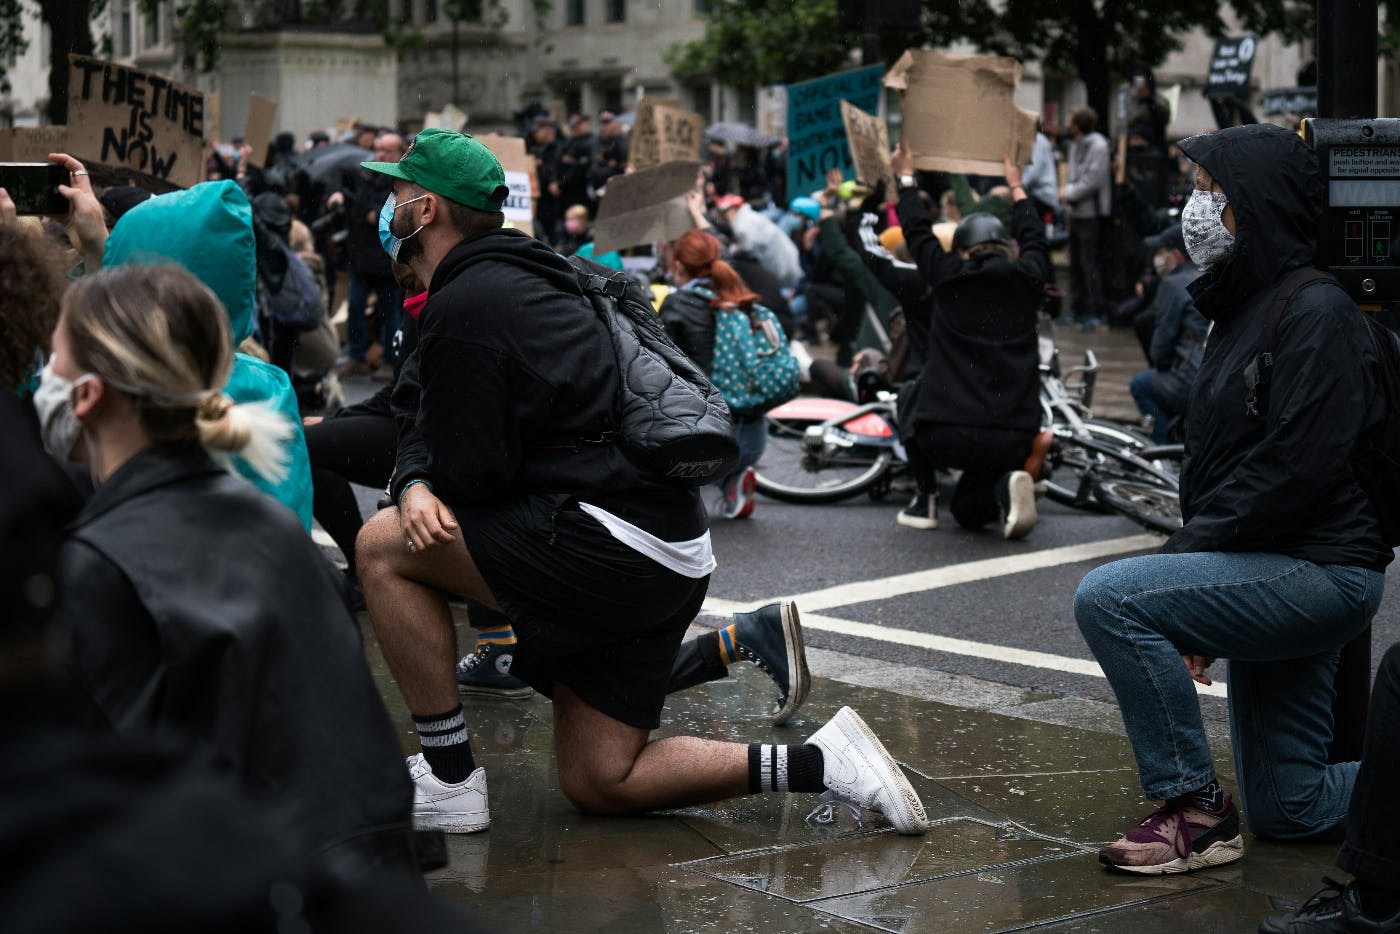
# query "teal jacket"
(208, 229)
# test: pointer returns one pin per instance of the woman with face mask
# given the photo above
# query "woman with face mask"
(1280, 560)
(194, 604)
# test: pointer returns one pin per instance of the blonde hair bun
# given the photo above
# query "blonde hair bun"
(256, 431)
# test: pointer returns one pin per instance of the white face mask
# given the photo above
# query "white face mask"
(53, 401)
(1207, 240)
(1162, 263)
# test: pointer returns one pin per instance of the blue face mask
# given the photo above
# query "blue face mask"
(393, 244)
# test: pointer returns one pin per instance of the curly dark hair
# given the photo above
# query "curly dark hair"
(31, 285)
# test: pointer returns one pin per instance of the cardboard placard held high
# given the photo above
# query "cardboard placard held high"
(959, 111)
(135, 121)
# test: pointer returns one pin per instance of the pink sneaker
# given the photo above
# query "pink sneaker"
(1178, 838)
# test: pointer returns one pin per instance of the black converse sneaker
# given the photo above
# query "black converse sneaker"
(486, 672)
(771, 638)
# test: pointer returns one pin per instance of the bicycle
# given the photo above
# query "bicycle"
(1111, 467)
(827, 450)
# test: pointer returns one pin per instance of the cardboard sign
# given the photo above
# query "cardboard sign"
(665, 133)
(959, 111)
(126, 118)
(647, 206)
(1230, 66)
(257, 132)
(519, 208)
(869, 138)
(816, 131)
(32, 143)
(213, 119)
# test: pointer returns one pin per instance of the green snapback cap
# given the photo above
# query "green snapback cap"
(454, 165)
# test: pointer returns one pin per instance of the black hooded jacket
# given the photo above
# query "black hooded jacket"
(512, 370)
(982, 366)
(1280, 482)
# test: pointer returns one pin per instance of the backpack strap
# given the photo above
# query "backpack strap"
(1259, 373)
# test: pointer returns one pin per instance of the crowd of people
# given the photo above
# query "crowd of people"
(172, 383)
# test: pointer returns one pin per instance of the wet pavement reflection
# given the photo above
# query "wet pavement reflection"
(1018, 809)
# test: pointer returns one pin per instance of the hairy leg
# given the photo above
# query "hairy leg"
(608, 767)
(404, 594)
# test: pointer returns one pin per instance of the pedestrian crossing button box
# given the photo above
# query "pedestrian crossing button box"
(1360, 165)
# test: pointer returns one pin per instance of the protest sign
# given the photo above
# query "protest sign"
(816, 131)
(665, 133)
(870, 147)
(132, 120)
(213, 120)
(959, 111)
(257, 132)
(1231, 63)
(510, 151)
(32, 143)
(647, 206)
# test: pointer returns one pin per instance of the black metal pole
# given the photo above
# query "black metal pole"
(1347, 34)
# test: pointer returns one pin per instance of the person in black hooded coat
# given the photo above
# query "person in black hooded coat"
(1279, 561)
(976, 404)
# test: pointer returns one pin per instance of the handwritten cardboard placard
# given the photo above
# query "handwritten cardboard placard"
(518, 207)
(664, 132)
(959, 112)
(32, 143)
(869, 138)
(815, 129)
(213, 119)
(128, 118)
(257, 132)
(647, 206)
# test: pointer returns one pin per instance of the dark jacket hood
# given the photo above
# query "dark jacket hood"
(1275, 189)
(508, 245)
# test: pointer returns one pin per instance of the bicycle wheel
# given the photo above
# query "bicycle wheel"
(792, 471)
(1067, 462)
(1147, 504)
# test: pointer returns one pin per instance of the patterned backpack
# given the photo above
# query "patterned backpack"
(753, 369)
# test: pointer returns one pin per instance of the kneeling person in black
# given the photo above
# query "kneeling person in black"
(975, 406)
(599, 564)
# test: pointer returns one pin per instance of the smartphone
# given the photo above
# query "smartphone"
(33, 187)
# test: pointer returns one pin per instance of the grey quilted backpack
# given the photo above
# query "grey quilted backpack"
(671, 418)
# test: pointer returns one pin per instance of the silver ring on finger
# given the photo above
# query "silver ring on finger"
(411, 546)
(77, 172)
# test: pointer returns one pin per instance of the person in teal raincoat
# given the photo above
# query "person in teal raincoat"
(208, 229)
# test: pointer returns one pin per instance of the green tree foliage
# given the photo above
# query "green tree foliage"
(749, 42)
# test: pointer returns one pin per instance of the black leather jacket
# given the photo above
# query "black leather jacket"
(197, 605)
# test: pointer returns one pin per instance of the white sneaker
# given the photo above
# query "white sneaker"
(858, 769)
(455, 808)
(1018, 510)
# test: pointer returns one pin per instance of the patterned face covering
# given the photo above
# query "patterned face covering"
(1207, 240)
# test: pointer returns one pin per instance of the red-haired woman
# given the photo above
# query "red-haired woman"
(694, 268)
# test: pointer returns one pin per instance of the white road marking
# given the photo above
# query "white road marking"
(885, 588)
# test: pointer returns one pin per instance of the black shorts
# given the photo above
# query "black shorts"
(588, 611)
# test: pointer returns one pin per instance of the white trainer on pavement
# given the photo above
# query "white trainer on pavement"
(451, 808)
(858, 769)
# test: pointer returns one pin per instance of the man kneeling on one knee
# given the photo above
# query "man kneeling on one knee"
(598, 564)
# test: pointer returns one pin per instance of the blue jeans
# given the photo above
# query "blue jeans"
(1160, 395)
(753, 438)
(387, 310)
(1281, 622)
